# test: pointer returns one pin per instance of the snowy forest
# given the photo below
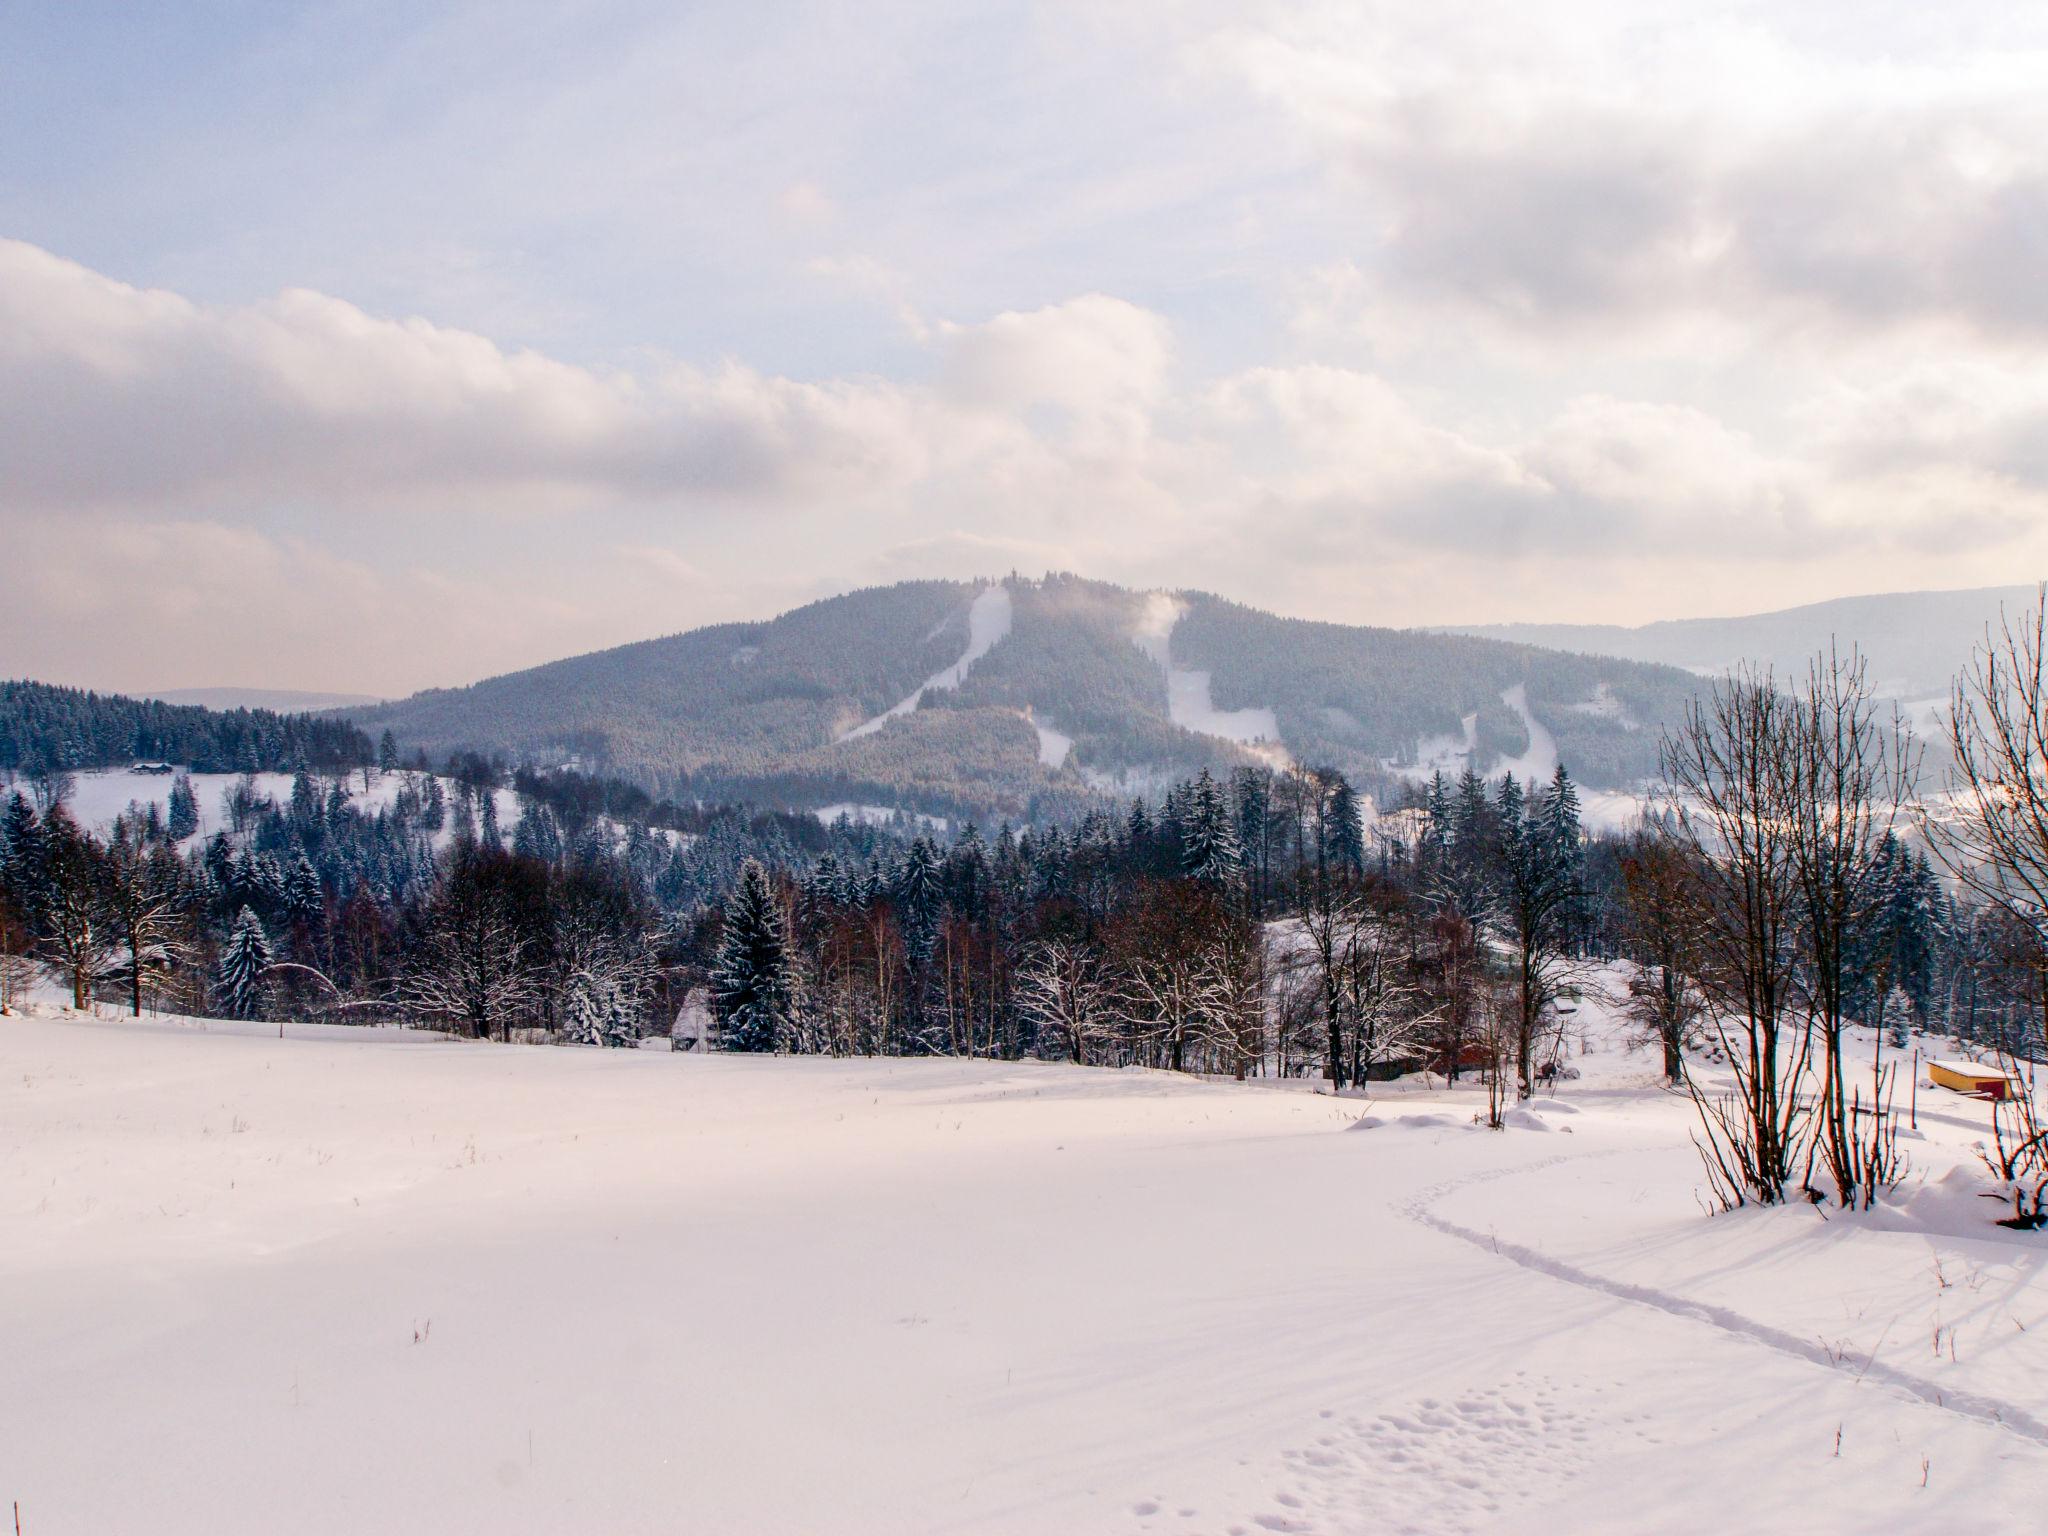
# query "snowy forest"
(1246, 925)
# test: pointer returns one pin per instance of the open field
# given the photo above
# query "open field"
(363, 1280)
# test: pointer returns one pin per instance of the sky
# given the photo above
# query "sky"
(369, 346)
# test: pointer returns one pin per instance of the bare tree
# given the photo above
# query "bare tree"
(147, 914)
(1994, 840)
(1850, 777)
(471, 967)
(1731, 771)
(1381, 998)
(1062, 991)
(1657, 889)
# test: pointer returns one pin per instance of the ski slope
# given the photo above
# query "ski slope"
(379, 1280)
(1189, 704)
(988, 621)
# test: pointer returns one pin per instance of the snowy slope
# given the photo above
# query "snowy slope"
(988, 621)
(354, 1281)
(101, 795)
(1188, 700)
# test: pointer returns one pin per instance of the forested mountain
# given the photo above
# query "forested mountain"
(1032, 699)
(1916, 642)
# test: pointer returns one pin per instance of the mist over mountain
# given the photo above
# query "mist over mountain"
(1916, 642)
(1033, 698)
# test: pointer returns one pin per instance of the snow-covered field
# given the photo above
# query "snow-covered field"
(99, 795)
(378, 1281)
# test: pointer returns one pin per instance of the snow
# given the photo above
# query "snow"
(1447, 755)
(1188, 701)
(1053, 746)
(876, 815)
(376, 1280)
(988, 622)
(101, 795)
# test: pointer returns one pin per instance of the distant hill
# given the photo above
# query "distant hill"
(284, 701)
(1032, 698)
(47, 727)
(1916, 642)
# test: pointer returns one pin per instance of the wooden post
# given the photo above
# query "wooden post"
(1916, 1088)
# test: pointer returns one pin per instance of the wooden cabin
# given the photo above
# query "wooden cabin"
(1975, 1079)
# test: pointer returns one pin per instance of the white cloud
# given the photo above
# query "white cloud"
(117, 396)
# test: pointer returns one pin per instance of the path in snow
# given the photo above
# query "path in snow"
(1188, 701)
(988, 621)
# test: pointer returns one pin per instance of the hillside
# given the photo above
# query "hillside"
(1916, 642)
(1029, 698)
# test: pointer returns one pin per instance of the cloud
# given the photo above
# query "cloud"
(203, 494)
(1568, 168)
(117, 396)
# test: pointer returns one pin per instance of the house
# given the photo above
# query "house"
(154, 768)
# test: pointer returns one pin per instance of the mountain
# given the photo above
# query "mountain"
(1034, 698)
(284, 701)
(1916, 642)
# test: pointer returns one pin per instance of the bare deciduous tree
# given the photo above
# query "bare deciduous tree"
(1731, 772)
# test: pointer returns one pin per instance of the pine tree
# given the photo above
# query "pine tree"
(21, 854)
(920, 899)
(305, 799)
(751, 982)
(238, 984)
(1565, 844)
(599, 1014)
(387, 752)
(1209, 848)
(304, 902)
(184, 810)
(1344, 826)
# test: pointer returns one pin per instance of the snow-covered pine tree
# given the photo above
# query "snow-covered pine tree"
(920, 898)
(1566, 846)
(750, 982)
(387, 752)
(304, 902)
(305, 798)
(238, 983)
(598, 1013)
(182, 818)
(1209, 848)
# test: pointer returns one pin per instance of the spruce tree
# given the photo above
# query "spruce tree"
(1344, 826)
(751, 983)
(238, 983)
(183, 817)
(1209, 848)
(387, 752)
